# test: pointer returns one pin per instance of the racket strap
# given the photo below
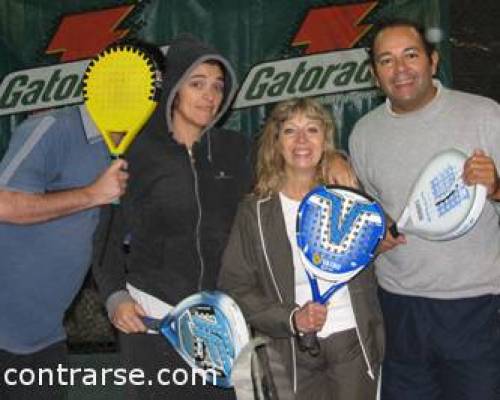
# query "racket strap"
(309, 342)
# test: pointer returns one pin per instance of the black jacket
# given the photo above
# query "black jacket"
(167, 236)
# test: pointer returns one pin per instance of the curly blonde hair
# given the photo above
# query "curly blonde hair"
(270, 168)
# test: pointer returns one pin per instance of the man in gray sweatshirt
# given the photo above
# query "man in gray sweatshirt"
(441, 300)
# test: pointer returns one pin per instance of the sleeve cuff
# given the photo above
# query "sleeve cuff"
(293, 327)
(115, 299)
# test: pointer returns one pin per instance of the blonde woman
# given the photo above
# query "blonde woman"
(262, 270)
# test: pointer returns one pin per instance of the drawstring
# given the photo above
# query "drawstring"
(209, 147)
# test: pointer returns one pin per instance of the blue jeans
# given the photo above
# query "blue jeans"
(441, 349)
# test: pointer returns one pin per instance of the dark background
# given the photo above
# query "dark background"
(475, 44)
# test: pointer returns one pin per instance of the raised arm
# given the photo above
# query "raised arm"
(337, 170)
(27, 208)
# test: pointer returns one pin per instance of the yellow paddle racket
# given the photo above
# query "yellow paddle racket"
(121, 89)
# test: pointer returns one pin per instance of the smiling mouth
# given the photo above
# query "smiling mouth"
(302, 153)
(403, 81)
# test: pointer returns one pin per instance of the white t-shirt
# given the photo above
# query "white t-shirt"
(340, 315)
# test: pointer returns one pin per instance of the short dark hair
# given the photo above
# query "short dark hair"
(217, 63)
(399, 22)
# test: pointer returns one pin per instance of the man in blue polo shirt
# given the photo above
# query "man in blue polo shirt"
(52, 178)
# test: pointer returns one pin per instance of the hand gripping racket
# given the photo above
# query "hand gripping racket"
(121, 88)
(441, 206)
(338, 230)
(209, 331)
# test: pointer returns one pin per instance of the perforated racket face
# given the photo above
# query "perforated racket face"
(440, 201)
(121, 90)
(448, 190)
(209, 331)
(338, 231)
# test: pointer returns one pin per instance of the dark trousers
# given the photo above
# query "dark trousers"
(339, 372)
(23, 368)
(152, 353)
(441, 349)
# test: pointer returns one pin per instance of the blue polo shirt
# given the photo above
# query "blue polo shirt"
(42, 266)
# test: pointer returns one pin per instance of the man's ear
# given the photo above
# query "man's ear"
(374, 75)
(434, 61)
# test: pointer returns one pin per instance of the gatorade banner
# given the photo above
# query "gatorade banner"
(279, 48)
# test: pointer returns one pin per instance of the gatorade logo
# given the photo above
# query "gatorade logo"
(327, 35)
(320, 74)
(326, 30)
(79, 36)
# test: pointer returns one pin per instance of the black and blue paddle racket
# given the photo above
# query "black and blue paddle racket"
(338, 231)
(208, 330)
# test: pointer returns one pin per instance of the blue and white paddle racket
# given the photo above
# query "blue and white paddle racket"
(338, 230)
(209, 331)
(441, 206)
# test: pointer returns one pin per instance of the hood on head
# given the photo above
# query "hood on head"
(184, 54)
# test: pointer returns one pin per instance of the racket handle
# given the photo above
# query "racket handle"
(152, 323)
(115, 202)
(310, 343)
(393, 229)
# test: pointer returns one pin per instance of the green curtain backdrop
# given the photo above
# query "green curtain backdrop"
(248, 32)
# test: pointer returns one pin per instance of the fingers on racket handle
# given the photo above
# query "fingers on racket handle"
(152, 323)
(116, 202)
(393, 229)
(309, 342)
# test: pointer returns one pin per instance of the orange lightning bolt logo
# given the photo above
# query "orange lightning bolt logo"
(84, 35)
(333, 27)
